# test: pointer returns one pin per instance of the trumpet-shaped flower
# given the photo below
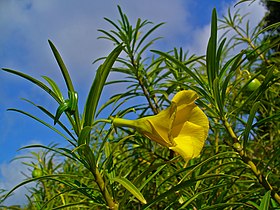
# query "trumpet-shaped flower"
(182, 127)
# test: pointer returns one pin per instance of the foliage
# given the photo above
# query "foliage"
(121, 169)
(272, 15)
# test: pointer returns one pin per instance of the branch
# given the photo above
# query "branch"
(238, 148)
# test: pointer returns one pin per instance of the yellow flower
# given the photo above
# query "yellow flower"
(182, 127)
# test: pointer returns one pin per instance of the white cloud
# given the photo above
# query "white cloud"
(72, 26)
(201, 37)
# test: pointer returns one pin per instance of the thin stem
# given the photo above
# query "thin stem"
(147, 95)
(101, 184)
(238, 148)
(154, 108)
(249, 41)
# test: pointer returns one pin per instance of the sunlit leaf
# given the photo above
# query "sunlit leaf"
(62, 66)
(265, 201)
(54, 87)
(131, 188)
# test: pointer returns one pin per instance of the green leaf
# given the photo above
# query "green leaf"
(54, 87)
(49, 91)
(62, 66)
(265, 201)
(242, 1)
(53, 117)
(211, 54)
(250, 123)
(207, 190)
(84, 135)
(36, 82)
(270, 27)
(254, 96)
(182, 65)
(98, 84)
(232, 205)
(274, 117)
(181, 186)
(47, 177)
(219, 52)
(62, 108)
(217, 96)
(227, 74)
(61, 151)
(146, 35)
(76, 123)
(73, 101)
(87, 157)
(109, 36)
(131, 188)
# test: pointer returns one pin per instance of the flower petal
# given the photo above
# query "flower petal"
(185, 97)
(184, 101)
(161, 126)
(190, 141)
(198, 117)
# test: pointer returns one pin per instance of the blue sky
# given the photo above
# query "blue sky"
(26, 25)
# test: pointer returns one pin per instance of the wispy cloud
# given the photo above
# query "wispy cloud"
(72, 26)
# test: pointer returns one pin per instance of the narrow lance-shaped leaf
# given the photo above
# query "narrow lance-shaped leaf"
(40, 84)
(259, 91)
(62, 108)
(265, 201)
(69, 84)
(54, 87)
(87, 154)
(250, 122)
(182, 65)
(219, 53)
(136, 33)
(47, 177)
(49, 114)
(36, 82)
(83, 135)
(212, 50)
(131, 188)
(181, 186)
(147, 34)
(62, 66)
(73, 101)
(98, 84)
(217, 96)
(68, 106)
